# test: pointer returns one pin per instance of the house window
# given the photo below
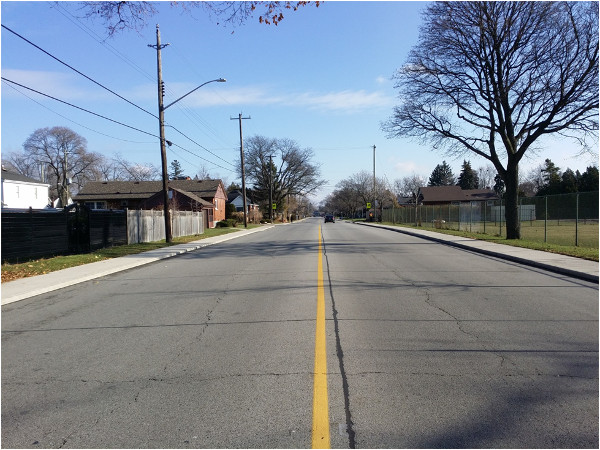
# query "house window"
(96, 205)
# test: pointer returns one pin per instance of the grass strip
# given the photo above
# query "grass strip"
(568, 250)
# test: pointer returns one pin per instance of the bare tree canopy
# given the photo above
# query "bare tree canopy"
(134, 15)
(493, 77)
(63, 154)
(296, 174)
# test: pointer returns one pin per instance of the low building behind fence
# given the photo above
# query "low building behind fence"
(565, 219)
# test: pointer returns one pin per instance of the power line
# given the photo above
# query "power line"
(201, 146)
(70, 120)
(79, 107)
(101, 41)
(77, 71)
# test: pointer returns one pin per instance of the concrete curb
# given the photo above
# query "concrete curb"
(14, 291)
(455, 241)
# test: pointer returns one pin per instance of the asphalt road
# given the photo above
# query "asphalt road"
(426, 346)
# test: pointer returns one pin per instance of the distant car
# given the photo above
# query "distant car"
(329, 218)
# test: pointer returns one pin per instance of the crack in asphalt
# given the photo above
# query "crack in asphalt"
(340, 354)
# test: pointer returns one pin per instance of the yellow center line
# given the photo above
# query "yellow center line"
(320, 423)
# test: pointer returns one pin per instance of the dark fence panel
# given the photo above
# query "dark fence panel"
(107, 228)
(32, 234)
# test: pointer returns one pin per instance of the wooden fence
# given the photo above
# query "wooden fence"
(149, 225)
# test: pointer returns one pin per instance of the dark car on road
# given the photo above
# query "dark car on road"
(329, 218)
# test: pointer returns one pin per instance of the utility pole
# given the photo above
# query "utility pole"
(374, 188)
(240, 118)
(163, 151)
(271, 188)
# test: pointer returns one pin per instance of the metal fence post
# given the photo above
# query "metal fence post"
(546, 218)
(577, 219)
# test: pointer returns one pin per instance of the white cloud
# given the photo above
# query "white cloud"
(57, 84)
(343, 101)
(71, 87)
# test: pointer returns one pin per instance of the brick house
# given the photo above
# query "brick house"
(208, 196)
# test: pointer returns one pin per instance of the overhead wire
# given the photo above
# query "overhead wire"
(67, 14)
(109, 90)
(70, 120)
(80, 73)
(79, 107)
(111, 120)
(78, 23)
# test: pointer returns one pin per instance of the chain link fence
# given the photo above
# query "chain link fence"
(566, 219)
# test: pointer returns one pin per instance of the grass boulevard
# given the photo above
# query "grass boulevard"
(12, 272)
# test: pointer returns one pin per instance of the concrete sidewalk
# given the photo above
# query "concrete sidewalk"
(28, 287)
(565, 265)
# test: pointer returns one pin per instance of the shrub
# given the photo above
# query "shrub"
(229, 210)
(227, 223)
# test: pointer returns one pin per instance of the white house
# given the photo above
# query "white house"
(19, 191)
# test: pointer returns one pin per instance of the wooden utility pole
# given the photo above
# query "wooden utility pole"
(240, 118)
(163, 150)
(271, 188)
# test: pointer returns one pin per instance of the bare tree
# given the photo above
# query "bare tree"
(296, 174)
(493, 78)
(407, 186)
(128, 171)
(486, 176)
(134, 15)
(63, 154)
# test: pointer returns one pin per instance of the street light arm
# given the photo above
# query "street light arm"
(219, 80)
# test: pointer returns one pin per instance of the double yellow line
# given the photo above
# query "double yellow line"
(320, 423)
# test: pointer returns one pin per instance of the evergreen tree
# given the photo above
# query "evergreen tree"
(552, 179)
(468, 178)
(442, 176)
(568, 182)
(588, 180)
(176, 170)
(234, 187)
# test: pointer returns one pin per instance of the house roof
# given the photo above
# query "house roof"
(237, 194)
(14, 176)
(448, 194)
(441, 194)
(194, 197)
(121, 190)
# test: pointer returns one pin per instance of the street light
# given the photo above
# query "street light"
(163, 152)
(218, 80)
(161, 122)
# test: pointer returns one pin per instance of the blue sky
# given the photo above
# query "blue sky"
(322, 78)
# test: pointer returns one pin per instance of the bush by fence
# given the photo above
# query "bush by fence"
(566, 219)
